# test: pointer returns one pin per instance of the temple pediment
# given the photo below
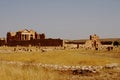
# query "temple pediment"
(24, 34)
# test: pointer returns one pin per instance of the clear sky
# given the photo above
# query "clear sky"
(66, 19)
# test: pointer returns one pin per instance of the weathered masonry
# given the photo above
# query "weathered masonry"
(93, 42)
(29, 37)
(24, 35)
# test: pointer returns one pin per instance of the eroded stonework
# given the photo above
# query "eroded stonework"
(93, 42)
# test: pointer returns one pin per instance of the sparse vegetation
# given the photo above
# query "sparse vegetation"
(77, 57)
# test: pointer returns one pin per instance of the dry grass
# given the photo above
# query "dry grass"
(14, 72)
(60, 57)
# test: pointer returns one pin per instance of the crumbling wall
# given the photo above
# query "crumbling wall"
(37, 42)
(2, 42)
(93, 42)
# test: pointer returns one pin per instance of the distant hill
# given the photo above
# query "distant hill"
(82, 41)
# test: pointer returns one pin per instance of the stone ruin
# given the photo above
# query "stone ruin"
(24, 35)
(27, 37)
(93, 42)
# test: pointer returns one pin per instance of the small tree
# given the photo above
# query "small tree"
(116, 43)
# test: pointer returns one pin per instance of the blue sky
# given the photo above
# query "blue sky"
(66, 19)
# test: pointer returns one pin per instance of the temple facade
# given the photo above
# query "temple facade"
(24, 35)
(30, 37)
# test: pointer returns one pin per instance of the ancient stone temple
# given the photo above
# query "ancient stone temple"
(30, 38)
(24, 35)
(93, 42)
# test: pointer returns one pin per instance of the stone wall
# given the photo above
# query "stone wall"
(37, 42)
(2, 42)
